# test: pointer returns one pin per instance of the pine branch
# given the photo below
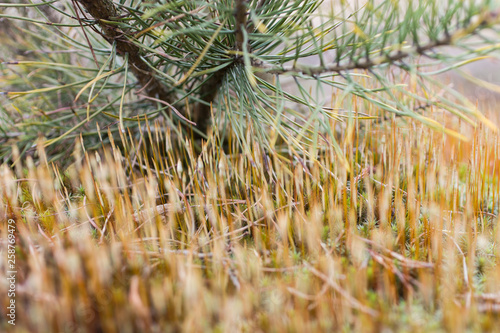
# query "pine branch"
(487, 19)
(202, 111)
(366, 64)
(240, 15)
(105, 10)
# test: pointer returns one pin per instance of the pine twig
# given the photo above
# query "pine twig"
(105, 10)
(202, 111)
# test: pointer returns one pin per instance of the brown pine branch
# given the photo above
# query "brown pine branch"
(240, 15)
(105, 10)
(363, 65)
(488, 18)
(208, 92)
